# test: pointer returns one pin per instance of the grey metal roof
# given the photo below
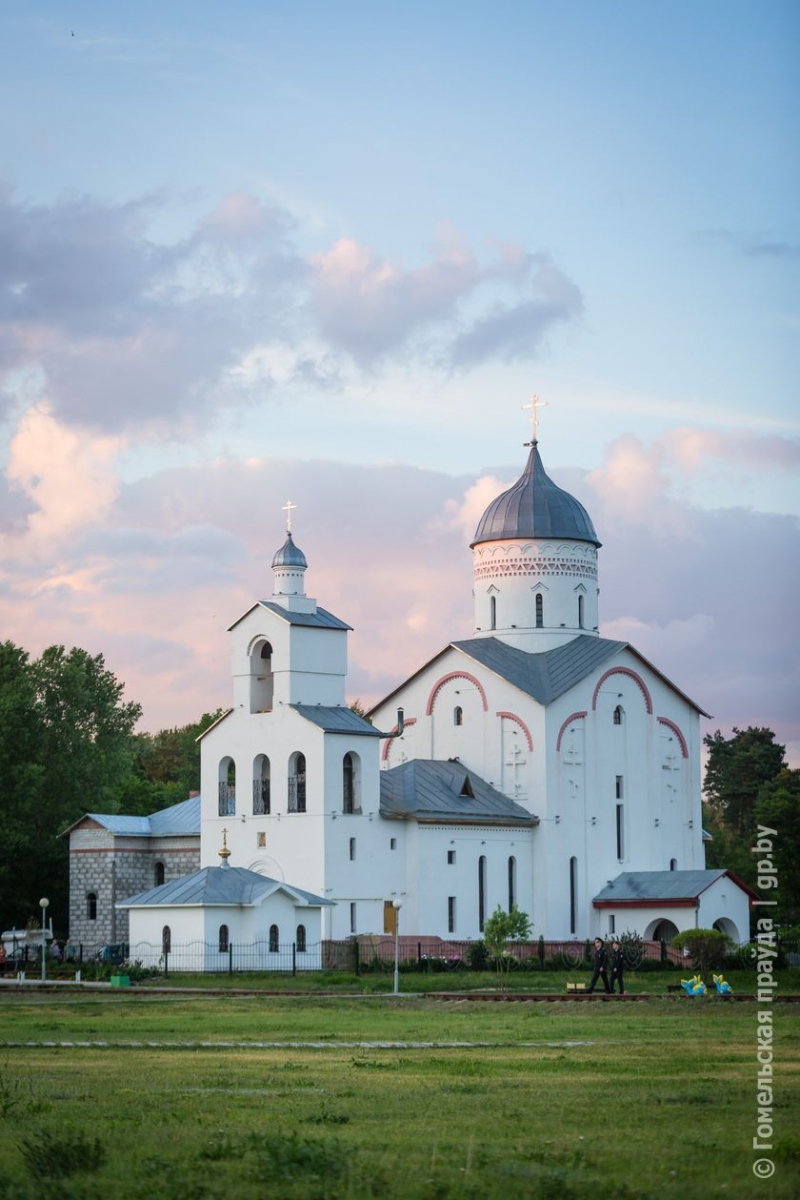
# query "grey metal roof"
(289, 555)
(650, 886)
(337, 719)
(547, 675)
(321, 619)
(433, 790)
(219, 886)
(176, 821)
(535, 507)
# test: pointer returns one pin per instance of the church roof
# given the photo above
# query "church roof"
(321, 619)
(547, 675)
(432, 790)
(176, 821)
(658, 887)
(289, 555)
(535, 507)
(337, 719)
(219, 886)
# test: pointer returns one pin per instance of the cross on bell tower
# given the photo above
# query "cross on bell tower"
(534, 405)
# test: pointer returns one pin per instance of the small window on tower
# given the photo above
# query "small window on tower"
(539, 610)
(618, 715)
(458, 715)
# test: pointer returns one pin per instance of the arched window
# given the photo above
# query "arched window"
(300, 939)
(166, 940)
(512, 882)
(458, 715)
(223, 939)
(261, 786)
(580, 612)
(481, 892)
(159, 874)
(618, 715)
(91, 906)
(493, 612)
(227, 788)
(297, 783)
(261, 677)
(273, 939)
(673, 864)
(573, 895)
(348, 785)
(539, 610)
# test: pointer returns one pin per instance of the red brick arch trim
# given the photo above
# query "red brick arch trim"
(437, 687)
(637, 679)
(387, 744)
(576, 716)
(509, 716)
(671, 725)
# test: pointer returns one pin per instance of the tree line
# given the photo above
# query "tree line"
(68, 747)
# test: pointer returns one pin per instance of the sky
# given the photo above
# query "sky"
(325, 252)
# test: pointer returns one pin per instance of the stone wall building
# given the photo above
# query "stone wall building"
(112, 857)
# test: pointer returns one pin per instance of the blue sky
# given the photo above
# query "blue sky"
(271, 241)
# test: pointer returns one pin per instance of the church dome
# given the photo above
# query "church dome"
(535, 508)
(289, 555)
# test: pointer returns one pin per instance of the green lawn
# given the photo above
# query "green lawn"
(563, 1100)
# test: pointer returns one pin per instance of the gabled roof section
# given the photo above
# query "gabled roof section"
(178, 820)
(654, 887)
(214, 886)
(547, 675)
(338, 719)
(321, 619)
(437, 791)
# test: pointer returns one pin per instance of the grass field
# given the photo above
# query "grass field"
(558, 1100)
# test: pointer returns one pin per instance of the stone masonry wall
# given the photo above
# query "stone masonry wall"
(113, 869)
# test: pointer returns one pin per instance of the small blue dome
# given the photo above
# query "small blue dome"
(535, 508)
(289, 555)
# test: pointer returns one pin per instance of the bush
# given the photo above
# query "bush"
(707, 948)
(478, 956)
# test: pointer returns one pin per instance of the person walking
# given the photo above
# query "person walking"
(617, 965)
(599, 959)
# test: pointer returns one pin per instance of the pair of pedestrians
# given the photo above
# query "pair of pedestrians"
(600, 964)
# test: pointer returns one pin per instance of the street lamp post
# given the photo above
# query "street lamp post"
(398, 904)
(44, 904)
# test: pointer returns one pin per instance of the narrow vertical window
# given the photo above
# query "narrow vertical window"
(458, 715)
(223, 939)
(512, 882)
(159, 874)
(300, 940)
(673, 864)
(573, 894)
(353, 925)
(91, 906)
(612, 924)
(451, 857)
(580, 612)
(348, 785)
(451, 914)
(493, 612)
(273, 939)
(539, 610)
(297, 784)
(481, 892)
(352, 849)
(618, 787)
(620, 832)
(227, 788)
(392, 843)
(618, 715)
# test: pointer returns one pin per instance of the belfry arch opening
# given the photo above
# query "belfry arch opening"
(261, 677)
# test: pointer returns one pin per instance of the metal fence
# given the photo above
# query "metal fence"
(358, 954)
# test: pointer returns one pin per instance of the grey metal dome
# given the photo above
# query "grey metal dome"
(289, 555)
(535, 507)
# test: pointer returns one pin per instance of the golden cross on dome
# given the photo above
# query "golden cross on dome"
(287, 508)
(534, 406)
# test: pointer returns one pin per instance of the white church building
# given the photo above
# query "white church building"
(535, 763)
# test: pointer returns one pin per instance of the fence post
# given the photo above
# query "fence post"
(294, 958)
